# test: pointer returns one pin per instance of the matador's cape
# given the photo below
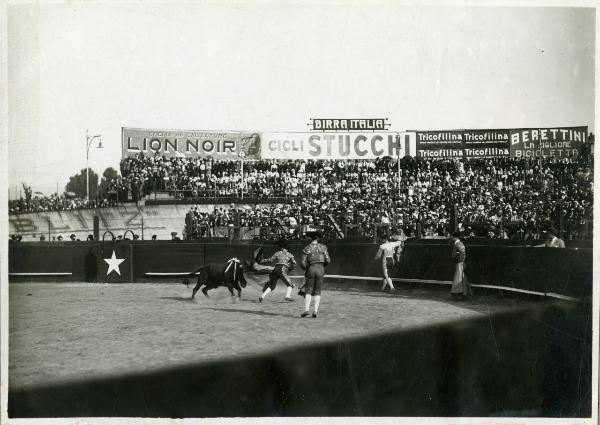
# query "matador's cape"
(255, 266)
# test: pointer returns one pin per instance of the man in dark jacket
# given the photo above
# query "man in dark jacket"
(315, 258)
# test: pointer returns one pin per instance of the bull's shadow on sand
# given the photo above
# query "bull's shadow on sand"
(177, 298)
(259, 313)
(229, 302)
(200, 298)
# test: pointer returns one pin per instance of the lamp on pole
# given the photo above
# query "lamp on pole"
(88, 142)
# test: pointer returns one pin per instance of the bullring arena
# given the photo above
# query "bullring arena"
(440, 162)
(102, 326)
(134, 344)
(140, 327)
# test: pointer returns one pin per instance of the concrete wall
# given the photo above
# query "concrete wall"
(562, 271)
(147, 220)
(153, 220)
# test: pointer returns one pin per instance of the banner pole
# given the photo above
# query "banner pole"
(242, 172)
(87, 168)
(242, 155)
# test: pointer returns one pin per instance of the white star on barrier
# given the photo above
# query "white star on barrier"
(113, 263)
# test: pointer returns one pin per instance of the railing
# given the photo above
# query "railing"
(218, 200)
(192, 195)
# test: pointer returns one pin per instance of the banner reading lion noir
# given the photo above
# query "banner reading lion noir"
(559, 142)
(190, 143)
(337, 145)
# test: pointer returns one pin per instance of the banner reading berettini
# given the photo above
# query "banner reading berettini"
(190, 143)
(558, 142)
(337, 145)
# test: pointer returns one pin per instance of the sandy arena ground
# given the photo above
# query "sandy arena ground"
(68, 332)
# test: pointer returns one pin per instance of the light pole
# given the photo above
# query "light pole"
(242, 155)
(88, 141)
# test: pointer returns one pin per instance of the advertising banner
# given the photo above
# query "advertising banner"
(190, 143)
(349, 124)
(463, 144)
(559, 142)
(337, 145)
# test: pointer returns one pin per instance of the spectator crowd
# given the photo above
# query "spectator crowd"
(53, 202)
(499, 197)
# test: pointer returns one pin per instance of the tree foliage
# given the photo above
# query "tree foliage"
(109, 174)
(27, 190)
(77, 184)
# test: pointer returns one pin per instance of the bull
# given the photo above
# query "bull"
(213, 275)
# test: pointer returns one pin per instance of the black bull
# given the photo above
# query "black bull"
(213, 275)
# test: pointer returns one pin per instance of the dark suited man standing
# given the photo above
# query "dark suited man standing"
(315, 258)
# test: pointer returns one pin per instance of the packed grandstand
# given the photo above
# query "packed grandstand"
(494, 197)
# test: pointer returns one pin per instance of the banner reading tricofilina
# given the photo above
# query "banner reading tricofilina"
(463, 144)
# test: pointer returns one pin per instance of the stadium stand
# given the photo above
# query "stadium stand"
(496, 198)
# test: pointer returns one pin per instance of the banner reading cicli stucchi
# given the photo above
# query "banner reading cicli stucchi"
(337, 145)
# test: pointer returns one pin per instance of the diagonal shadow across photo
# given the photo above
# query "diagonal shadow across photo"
(532, 363)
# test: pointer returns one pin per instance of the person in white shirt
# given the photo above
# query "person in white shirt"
(552, 241)
(385, 254)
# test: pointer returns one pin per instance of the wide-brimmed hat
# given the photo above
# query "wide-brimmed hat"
(313, 233)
